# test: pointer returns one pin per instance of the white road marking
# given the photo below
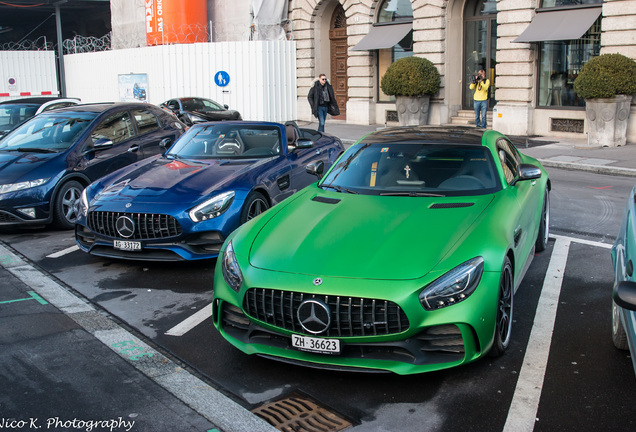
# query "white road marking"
(63, 252)
(191, 322)
(525, 402)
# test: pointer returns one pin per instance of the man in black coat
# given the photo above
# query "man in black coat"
(322, 101)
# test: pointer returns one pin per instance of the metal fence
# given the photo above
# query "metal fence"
(136, 39)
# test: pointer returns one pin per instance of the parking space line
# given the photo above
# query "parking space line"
(34, 296)
(63, 252)
(191, 322)
(525, 402)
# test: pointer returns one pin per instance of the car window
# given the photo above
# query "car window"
(13, 115)
(46, 133)
(146, 121)
(413, 168)
(509, 158)
(116, 127)
(220, 141)
(212, 106)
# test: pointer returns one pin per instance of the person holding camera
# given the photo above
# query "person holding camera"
(480, 84)
(322, 101)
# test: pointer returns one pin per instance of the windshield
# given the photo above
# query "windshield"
(221, 141)
(14, 114)
(201, 105)
(47, 133)
(413, 169)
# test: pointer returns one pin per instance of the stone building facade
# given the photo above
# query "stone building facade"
(532, 90)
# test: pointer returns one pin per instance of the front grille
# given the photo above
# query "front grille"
(7, 217)
(147, 225)
(350, 316)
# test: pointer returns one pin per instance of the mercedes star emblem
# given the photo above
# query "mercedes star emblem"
(318, 281)
(314, 316)
(125, 226)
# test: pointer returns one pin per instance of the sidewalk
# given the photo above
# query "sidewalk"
(555, 152)
(66, 366)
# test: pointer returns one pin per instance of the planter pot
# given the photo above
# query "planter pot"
(412, 110)
(607, 121)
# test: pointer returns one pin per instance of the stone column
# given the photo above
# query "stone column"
(516, 68)
(429, 41)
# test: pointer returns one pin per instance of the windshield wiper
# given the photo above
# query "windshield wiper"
(340, 189)
(412, 194)
(36, 150)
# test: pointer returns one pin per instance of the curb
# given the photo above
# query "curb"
(597, 169)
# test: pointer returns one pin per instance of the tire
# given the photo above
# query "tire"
(544, 225)
(255, 204)
(66, 205)
(505, 302)
(619, 337)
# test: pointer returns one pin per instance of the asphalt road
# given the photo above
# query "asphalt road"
(561, 371)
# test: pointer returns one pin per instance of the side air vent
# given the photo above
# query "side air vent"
(450, 205)
(325, 200)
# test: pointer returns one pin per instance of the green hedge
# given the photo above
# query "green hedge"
(411, 76)
(606, 76)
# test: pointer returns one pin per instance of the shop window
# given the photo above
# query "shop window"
(560, 61)
(394, 12)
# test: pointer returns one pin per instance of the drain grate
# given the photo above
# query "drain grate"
(299, 413)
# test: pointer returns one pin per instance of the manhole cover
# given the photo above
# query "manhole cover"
(299, 413)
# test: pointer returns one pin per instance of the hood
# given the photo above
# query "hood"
(360, 236)
(167, 181)
(15, 165)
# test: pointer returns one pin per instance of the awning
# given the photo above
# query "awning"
(563, 24)
(383, 36)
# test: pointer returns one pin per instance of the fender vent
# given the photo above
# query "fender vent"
(450, 205)
(325, 200)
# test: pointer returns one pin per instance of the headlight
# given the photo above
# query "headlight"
(6, 188)
(212, 208)
(454, 287)
(231, 270)
(83, 204)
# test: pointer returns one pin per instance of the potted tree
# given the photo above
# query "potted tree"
(412, 80)
(607, 83)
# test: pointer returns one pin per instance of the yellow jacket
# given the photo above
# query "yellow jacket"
(481, 93)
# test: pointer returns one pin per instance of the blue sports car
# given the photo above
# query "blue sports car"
(183, 204)
(624, 298)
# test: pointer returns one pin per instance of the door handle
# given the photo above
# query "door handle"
(133, 148)
(517, 235)
(319, 151)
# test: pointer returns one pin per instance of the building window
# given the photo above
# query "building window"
(560, 61)
(394, 12)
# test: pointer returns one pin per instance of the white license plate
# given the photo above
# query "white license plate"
(127, 245)
(317, 345)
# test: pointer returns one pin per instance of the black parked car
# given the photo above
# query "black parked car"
(192, 110)
(46, 162)
(15, 111)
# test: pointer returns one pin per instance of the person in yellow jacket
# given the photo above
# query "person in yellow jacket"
(480, 84)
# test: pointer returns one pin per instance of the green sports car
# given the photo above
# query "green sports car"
(404, 257)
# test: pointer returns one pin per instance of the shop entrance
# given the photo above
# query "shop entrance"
(480, 46)
(339, 48)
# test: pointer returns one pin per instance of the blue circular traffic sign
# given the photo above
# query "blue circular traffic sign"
(222, 78)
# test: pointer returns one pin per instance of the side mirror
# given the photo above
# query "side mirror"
(528, 172)
(304, 143)
(226, 106)
(625, 295)
(165, 143)
(316, 168)
(173, 107)
(102, 144)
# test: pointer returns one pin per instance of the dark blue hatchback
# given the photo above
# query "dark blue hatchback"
(47, 161)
